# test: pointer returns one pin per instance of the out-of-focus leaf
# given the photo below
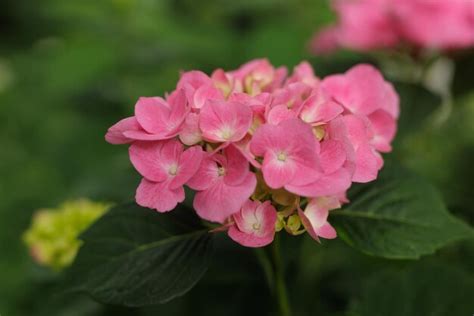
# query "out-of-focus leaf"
(399, 216)
(136, 257)
(426, 289)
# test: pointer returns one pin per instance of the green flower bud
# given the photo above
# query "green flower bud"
(53, 235)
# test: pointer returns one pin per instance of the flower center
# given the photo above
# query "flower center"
(282, 156)
(221, 171)
(227, 133)
(173, 170)
(256, 226)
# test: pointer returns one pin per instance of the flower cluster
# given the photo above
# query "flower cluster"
(53, 235)
(263, 151)
(378, 24)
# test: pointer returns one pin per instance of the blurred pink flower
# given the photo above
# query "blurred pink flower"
(365, 25)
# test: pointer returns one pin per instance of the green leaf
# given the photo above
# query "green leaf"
(399, 216)
(425, 289)
(136, 257)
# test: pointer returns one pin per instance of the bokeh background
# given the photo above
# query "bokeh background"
(70, 69)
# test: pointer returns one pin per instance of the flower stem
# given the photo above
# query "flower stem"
(280, 287)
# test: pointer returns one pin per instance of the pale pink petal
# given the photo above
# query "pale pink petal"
(158, 196)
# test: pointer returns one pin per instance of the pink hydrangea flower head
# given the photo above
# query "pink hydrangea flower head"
(255, 146)
(254, 224)
(223, 183)
(166, 167)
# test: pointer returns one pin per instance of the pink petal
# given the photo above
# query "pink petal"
(237, 166)
(206, 175)
(220, 201)
(254, 224)
(280, 113)
(248, 240)
(327, 184)
(333, 155)
(158, 196)
(152, 114)
(277, 173)
(188, 165)
(146, 158)
(367, 164)
(384, 127)
(194, 79)
(190, 133)
(115, 134)
(222, 121)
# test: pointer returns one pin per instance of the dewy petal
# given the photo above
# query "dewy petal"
(115, 134)
(220, 201)
(158, 196)
(222, 121)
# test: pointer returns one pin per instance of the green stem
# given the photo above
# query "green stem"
(280, 287)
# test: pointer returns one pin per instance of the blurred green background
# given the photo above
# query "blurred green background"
(70, 69)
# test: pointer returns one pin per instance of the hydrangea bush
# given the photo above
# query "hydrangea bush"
(262, 150)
